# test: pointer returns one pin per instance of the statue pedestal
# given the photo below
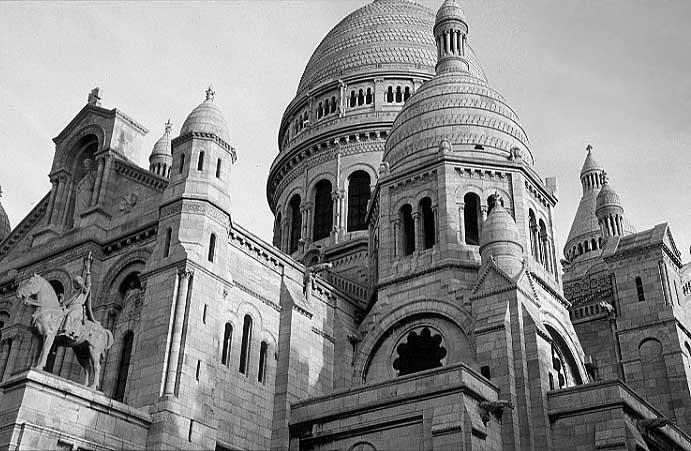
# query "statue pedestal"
(40, 411)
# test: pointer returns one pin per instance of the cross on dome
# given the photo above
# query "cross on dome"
(589, 148)
(169, 126)
(210, 94)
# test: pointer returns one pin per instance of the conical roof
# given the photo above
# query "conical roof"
(499, 227)
(590, 163)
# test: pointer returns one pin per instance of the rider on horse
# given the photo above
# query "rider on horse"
(78, 307)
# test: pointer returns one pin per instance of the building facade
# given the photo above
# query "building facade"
(411, 298)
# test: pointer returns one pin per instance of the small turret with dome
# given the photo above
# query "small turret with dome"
(161, 158)
(450, 31)
(207, 118)
(501, 240)
(609, 212)
(5, 228)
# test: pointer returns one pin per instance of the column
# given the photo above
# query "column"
(336, 213)
(417, 218)
(68, 200)
(99, 180)
(11, 360)
(344, 211)
(59, 199)
(286, 235)
(461, 223)
(396, 237)
(447, 43)
(4, 354)
(176, 337)
(106, 177)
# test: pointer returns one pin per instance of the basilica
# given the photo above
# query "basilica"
(412, 297)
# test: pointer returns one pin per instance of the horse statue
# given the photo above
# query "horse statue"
(87, 338)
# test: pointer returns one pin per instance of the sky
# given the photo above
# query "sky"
(614, 74)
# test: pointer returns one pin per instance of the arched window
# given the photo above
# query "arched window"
(639, 289)
(580, 249)
(593, 244)
(358, 197)
(654, 378)
(389, 95)
(421, 351)
(261, 373)
(471, 218)
(360, 98)
(399, 95)
(320, 111)
(200, 161)
(333, 104)
(563, 363)
(326, 107)
(544, 245)
(278, 231)
(182, 162)
(218, 168)
(245, 347)
(599, 243)
(227, 337)
(368, 97)
(428, 226)
(323, 210)
(352, 99)
(406, 214)
(166, 244)
(212, 247)
(532, 224)
(406, 94)
(586, 246)
(124, 366)
(295, 223)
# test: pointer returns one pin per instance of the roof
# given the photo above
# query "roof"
(207, 118)
(383, 36)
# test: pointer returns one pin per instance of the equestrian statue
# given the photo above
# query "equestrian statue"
(70, 323)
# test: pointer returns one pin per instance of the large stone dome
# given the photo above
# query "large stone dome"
(382, 36)
(462, 109)
(207, 118)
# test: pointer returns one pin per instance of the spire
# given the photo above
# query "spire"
(450, 31)
(4, 222)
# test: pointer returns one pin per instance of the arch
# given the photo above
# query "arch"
(389, 95)
(123, 366)
(358, 198)
(245, 345)
(580, 248)
(227, 340)
(406, 94)
(75, 143)
(323, 210)
(429, 232)
(586, 246)
(320, 111)
(261, 370)
(471, 218)
(654, 375)
(593, 244)
(360, 97)
(419, 352)
(200, 161)
(182, 163)
(532, 226)
(212, 248)
(407, 229)
(368, 96)
(295, 223)
(563, 362)
(333, 104)
(133, 261)
(353, 100)
(399, 95)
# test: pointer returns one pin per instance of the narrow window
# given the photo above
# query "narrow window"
(580, 249)
(326, 107)
(368, 97)
(199, 367)
(166, 244)
(206, 307)
(295, 223)
(358, 197)
(352, 99)
(586, 246)
(639, 289)
(532, 224)
(200, 162)
(399, 95)
(50, 362)
(429, 231)
(182, 162)
(278, 232)
(323, 210)
(593, 244)
(212, 247)
(360, 98)
(333, 104)
(389, 95)
(484, 370)
(218, 168)
(320, 111)
(261, 374)
(408, 229)
(406, 94)
(227, 337)
(471, 218)
(124, 366)
(244, 349)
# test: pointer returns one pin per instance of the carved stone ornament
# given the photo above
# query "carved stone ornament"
(495, 408)
(127, 202)
(515, 153)
(445, 146)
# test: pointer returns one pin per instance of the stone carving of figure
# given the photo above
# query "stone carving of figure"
(85, 189)
(134, 294)
(77, 307)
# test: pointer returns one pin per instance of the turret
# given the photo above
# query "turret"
(161, 158)
(450, 31)
(4, 222)
(500, 239)
(610, 213)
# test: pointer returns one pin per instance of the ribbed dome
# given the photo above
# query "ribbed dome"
(462, 109)
(384, 36)
(607, 197)
(5, 228)
(162, 147)
(207, 118)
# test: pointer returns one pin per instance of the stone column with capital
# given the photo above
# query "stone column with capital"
(51, 201)
(396, 226)
(417, 218)
(184, 277)
(461, 223)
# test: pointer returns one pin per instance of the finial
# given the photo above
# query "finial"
(94, 97)
(210, 94)
(588, 148)
(169, 126)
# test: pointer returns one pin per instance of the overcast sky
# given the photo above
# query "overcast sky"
(615, 74)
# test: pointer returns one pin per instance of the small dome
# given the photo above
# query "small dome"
(607, 197)
(450, 10)
(590, 164)
(207, 118)
(162, 146)
(500, 227)
(5, 228)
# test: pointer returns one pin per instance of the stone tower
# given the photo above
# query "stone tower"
(161, 158)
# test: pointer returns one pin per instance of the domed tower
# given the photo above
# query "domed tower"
(609, 212)
(332, 134)
(161, 158)
(5, 228)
